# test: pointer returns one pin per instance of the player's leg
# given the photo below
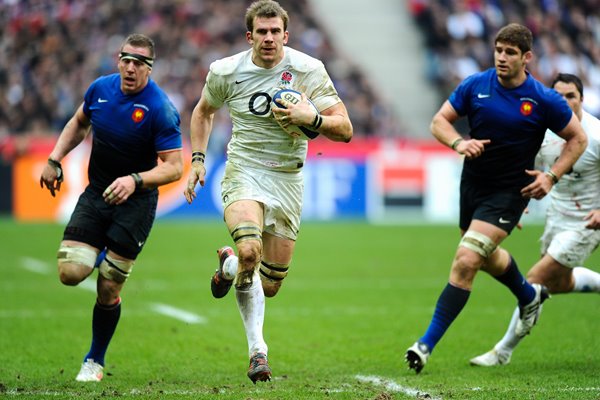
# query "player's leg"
(244, 221)
(547, 271)
(558, 279)
(476, 246)
(503, 267)
(585, 280)
(512, 278)
(555, 276)
(277, 255)
(125, 237)
(449, 304)
(113, 272)
(82, 240)
(76, 261)
(566, 250)
(504, 210)
(281, 227)
(501, 353)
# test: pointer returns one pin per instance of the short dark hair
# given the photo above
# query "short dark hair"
(265, 9)
(569, 78)
(516, 35)
(140, 40)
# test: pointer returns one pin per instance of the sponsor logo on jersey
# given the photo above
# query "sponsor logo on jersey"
(526, 108)
(138, 115)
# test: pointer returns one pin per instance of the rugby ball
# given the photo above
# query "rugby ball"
(294, 97)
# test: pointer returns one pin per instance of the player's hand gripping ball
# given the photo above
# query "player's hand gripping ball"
(294, 97)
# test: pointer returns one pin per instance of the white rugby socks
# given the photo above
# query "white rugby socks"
(586, 280)
(251, 303)
(508, 343)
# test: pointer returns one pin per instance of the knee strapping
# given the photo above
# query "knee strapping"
(77, 255)
(478, 242)
(246, 231)
(272, 271)
(115, 270)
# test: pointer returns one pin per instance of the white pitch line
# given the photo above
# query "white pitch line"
(393, 386)
(35, 265)
(177, 313)
(42, 267)
(88, 284)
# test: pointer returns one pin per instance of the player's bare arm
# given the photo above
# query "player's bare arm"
(442, 128)
(74, 132)
(167, 171)
(576, 142)
(200, 128)
(335, 123)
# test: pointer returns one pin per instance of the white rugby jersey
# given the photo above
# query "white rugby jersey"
(578, 191)
(247, 90)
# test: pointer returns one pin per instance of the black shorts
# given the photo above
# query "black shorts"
(502, 208)
(122, 229)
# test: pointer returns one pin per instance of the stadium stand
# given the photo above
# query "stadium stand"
(383, 41)
(51, 51)
(459, 35)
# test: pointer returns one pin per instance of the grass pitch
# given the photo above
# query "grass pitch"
(357, 296)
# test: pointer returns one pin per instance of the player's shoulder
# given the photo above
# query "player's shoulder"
(300, 61)
(591, 125)
(228, 65)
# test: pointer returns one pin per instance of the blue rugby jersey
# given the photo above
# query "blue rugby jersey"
(515, 120)
(128, 130)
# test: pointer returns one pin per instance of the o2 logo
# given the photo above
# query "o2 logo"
(260, 103)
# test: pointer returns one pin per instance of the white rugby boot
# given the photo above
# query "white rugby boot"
(90, 371)
(416, 356)
(491, 358)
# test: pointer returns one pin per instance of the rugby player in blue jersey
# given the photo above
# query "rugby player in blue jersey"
(572, 227)
(133, 123)
(508, 113)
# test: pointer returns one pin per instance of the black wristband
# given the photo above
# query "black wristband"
(139, 182)
(198, 156)
(58, 167)
(316, 124)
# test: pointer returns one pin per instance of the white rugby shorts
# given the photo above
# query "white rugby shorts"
(280, 193)
(568, 241)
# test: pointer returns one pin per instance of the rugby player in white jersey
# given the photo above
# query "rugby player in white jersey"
(262, 188)
(572, 220)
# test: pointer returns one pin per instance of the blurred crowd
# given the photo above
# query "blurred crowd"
(52, 50)
(459, 38)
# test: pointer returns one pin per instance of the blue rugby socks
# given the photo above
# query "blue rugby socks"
(449, 305)
(104, 323)
(518, 285)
